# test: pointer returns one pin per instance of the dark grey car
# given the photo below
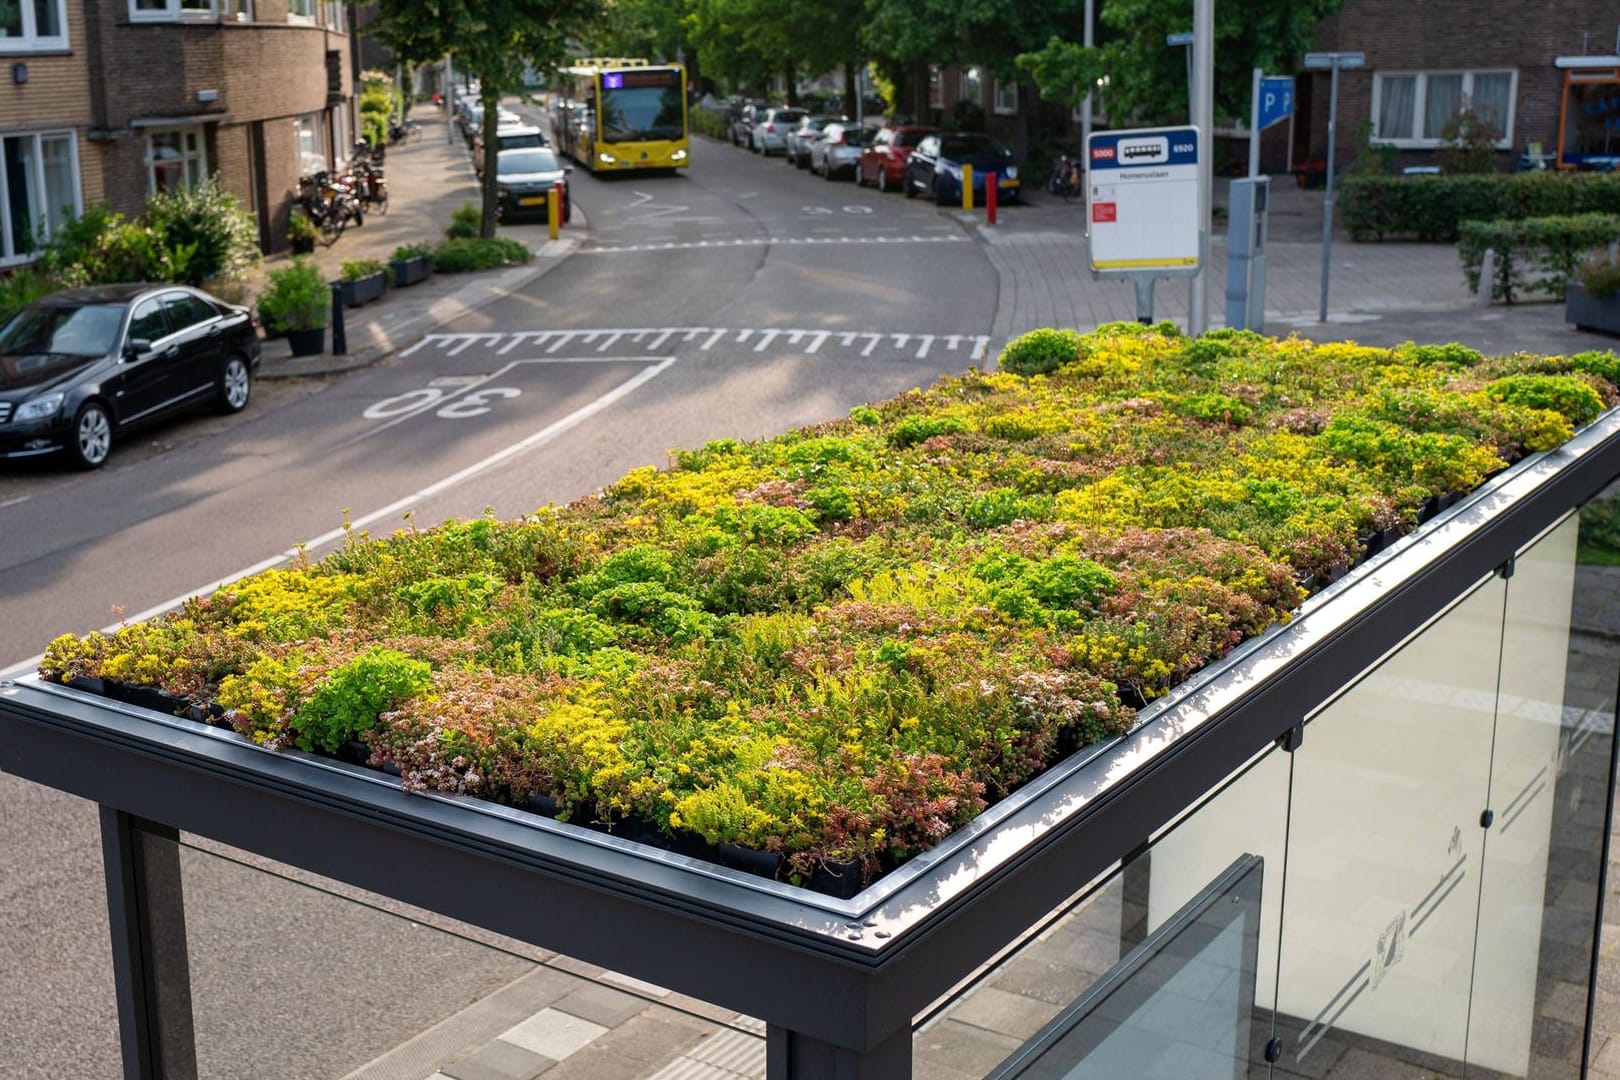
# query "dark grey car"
(80, 367)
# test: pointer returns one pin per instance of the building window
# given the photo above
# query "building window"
(30, 25)
(936, 91)
(301, 11)
(1006, 97)
(1413, 109)
(176, 159)
(175, 10)
(39, 189)
(970, 87)
(307, 139)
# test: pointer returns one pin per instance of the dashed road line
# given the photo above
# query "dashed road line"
(764, 241)
(651, 340)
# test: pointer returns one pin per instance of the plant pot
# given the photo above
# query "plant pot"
(301, 245)
(838, 877)
(1590, 312)
(411, 271)
(749, 860)
(363, 290)
(307, 342)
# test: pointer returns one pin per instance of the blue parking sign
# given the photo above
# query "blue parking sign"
(1276, 99)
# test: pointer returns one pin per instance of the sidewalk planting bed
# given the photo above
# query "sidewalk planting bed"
(843, 643)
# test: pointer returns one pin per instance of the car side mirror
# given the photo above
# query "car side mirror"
(137, 347)
(568, 168)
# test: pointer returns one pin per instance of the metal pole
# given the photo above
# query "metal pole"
(1204, 121)
(1327, 204)
(1085, 105)
(1254, 127)
(449, 101)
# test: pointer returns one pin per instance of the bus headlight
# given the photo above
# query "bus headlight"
(679, 155)
(606, 158)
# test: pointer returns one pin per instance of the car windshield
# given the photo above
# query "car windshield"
(787, 116)
(857, 136)
(972, 146)
(527, 161)
(63, 329)
(519, 139)
(909, 138)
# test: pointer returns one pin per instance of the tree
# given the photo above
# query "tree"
(489, 41)
(1147, 80)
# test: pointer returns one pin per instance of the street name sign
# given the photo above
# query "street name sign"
(1321, 61)
(1142, 200)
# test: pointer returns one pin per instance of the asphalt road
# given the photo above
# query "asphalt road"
(737, 300)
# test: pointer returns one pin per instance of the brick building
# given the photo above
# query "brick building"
(253, 91)
(1509, 61)
(48, 168)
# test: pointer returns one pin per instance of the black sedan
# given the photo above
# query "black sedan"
(522, 179)
(79, 368)
(935, 168)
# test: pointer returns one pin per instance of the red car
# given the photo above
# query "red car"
(884, 162)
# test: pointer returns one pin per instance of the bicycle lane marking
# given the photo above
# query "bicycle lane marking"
(398, 506)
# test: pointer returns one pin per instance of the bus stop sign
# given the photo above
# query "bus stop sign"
(1142, 200)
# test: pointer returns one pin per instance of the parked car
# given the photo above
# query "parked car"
(838, 148)
(935, 167)
(743, 118)
(771, 130)
(883, 163)
(472, 119)
(800, 138)
(81, 367)
(522, 179)
(511, 137)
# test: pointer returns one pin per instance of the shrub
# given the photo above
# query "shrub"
(348, 702)
(1040, 351)
(300, 227)
(297, 298)
(1563, 394)
(478, 253)
(466, 221)
(1432, 208)
(1467, 145)
(1534, 255)
(222, 239)
(20, 288)
(1600, 273)
(355, 269)
(406, 252)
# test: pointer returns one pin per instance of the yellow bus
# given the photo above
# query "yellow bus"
(615, 114)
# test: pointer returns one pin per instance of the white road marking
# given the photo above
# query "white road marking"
(398, 506)
(763, 241)
(714, 337)
(922, 350)
(652, 338)
(765, 338)
(560, 342)
(15, 501)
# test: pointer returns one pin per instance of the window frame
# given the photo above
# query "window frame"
(31, 41)
(1002, 107)
(305, 17)
(936, 87)
(963, 81)
(200, 155)
(218, 11)
(9, 255)
(1420, 99)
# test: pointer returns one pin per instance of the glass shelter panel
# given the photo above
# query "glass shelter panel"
(1162, 964)
(1384, 853)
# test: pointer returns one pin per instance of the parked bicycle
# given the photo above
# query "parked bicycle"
(366, 177)
(330, 203)
(1067, 177)
(406, 131)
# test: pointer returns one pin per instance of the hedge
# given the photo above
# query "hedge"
(1536, 255)
(843, 643)
(1433, 208)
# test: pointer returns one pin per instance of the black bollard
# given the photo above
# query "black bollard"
(340, 340)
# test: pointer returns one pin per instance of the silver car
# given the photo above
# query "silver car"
(771, 129)
(800, 138)
(837, 150)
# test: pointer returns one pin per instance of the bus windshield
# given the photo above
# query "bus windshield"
(638, 106)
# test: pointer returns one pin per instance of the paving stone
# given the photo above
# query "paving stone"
(553, 1034)
(1017, 1015)
(960, 1046)
(499, 1060)
(737, 1051)
(637, 1048)
(601, 1004)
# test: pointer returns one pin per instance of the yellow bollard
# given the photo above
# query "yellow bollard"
(553, 210)
(967, 187)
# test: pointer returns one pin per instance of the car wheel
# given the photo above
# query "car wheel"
(883, 179)
(860, 177)
(235, 385)
(940, 198)
(907, 186)
(827, 170)
(91, 440)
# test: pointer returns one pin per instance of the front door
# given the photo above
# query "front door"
(195, 324)
(145, 380)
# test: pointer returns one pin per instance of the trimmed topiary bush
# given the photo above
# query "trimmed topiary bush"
(1040, 351)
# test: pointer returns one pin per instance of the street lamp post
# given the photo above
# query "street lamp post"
(1334, 62)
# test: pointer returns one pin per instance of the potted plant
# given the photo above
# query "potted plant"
(411, 263)
(301, 233)
(295, 303)
(362, 281)
(1592, 301)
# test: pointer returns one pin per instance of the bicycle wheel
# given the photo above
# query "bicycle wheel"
(413, 132)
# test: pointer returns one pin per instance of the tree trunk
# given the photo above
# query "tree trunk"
(1021, 130)
(491, 101)
(792, 87)
(852, 106)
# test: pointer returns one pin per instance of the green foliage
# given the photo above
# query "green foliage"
(1433, 208)
(347, 704)
(1605, 364)
(355, 269)
(710, 122)
(1600, 273)
(221, 238)
(1563, 394)
(22, 287)
(297, 298)
(1600, 533)
(406, 252)
(464, 222)
(1040, 351)
(478, 253)
(915, 429)
(1534, 254)
(300, 227)
(1467, 145)
(1451, 354)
